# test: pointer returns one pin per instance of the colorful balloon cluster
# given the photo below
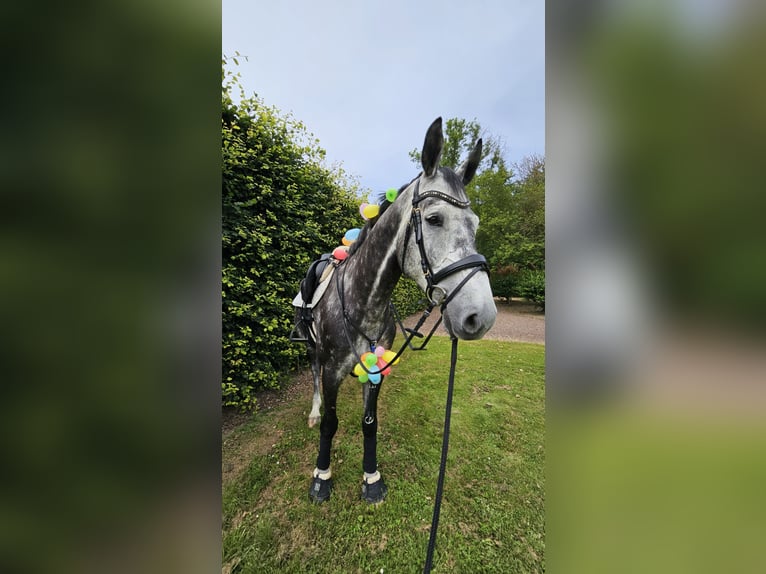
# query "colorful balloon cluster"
(341, 252)
(377, 364)
(367, 211)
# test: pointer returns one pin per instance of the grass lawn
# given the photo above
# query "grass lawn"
(492, 517)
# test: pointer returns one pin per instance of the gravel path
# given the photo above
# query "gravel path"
(516, 321)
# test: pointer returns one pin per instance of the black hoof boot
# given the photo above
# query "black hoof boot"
(320, 490)
(375, 492)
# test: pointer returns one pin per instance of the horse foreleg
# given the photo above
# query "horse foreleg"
(373, 488)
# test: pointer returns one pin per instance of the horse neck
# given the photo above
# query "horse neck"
(374, 269)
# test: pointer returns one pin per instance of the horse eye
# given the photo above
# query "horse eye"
(434, 220)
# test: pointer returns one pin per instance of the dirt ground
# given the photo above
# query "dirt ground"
(516, 321)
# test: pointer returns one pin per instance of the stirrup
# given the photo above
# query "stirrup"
(297, 337)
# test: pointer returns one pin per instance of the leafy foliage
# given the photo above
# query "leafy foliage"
(512, 213)
(408, 298)
(532, 286)
(281, 209)
(459, 138)
(504, 282)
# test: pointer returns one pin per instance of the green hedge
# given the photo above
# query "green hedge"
(504, 282)
(408, 298)
(503, 285)
(281, 210)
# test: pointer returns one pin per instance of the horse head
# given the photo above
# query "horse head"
(439, 251)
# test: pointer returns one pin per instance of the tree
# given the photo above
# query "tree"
(459, 138)
(281, 209)
(522, 241)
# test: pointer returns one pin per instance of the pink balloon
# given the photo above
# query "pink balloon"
(340, 253)
(379, 351)
(361, 211)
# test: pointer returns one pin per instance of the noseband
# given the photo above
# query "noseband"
(475, 261)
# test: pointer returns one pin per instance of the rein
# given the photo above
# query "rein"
(443, 462)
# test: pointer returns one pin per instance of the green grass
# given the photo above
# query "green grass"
(492, 517)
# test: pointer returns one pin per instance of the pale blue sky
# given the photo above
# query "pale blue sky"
(367, 78)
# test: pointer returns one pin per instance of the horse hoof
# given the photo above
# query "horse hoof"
(375, 492)
(313, 421)
(320, 490)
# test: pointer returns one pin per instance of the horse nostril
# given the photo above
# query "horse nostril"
(471, 323)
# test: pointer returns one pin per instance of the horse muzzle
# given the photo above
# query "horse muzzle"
(471, 311)
(470, 322)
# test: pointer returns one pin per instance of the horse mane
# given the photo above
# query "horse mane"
(384, 205)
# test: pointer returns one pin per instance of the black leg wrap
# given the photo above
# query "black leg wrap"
(370, 431)
(327, 431)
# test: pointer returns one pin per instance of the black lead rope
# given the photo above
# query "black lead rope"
(443, 464)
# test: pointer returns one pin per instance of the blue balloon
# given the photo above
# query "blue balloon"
(374, 378)
(352, 234)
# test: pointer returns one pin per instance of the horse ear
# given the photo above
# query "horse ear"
(467, 169)
(432, 148)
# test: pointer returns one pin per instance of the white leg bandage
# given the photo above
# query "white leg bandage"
(323, 474)
(371, 478)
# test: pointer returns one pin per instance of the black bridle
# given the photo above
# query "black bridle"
(475, 260)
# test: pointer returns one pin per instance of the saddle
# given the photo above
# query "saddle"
(313, 286)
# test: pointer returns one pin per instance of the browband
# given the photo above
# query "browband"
(418, 197)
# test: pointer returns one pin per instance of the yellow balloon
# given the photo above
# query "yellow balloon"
(345, 242)
(358, 369)
(371, 211)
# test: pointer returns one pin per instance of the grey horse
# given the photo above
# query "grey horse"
(427, 234)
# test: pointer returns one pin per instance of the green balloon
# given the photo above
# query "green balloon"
(391, 195)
